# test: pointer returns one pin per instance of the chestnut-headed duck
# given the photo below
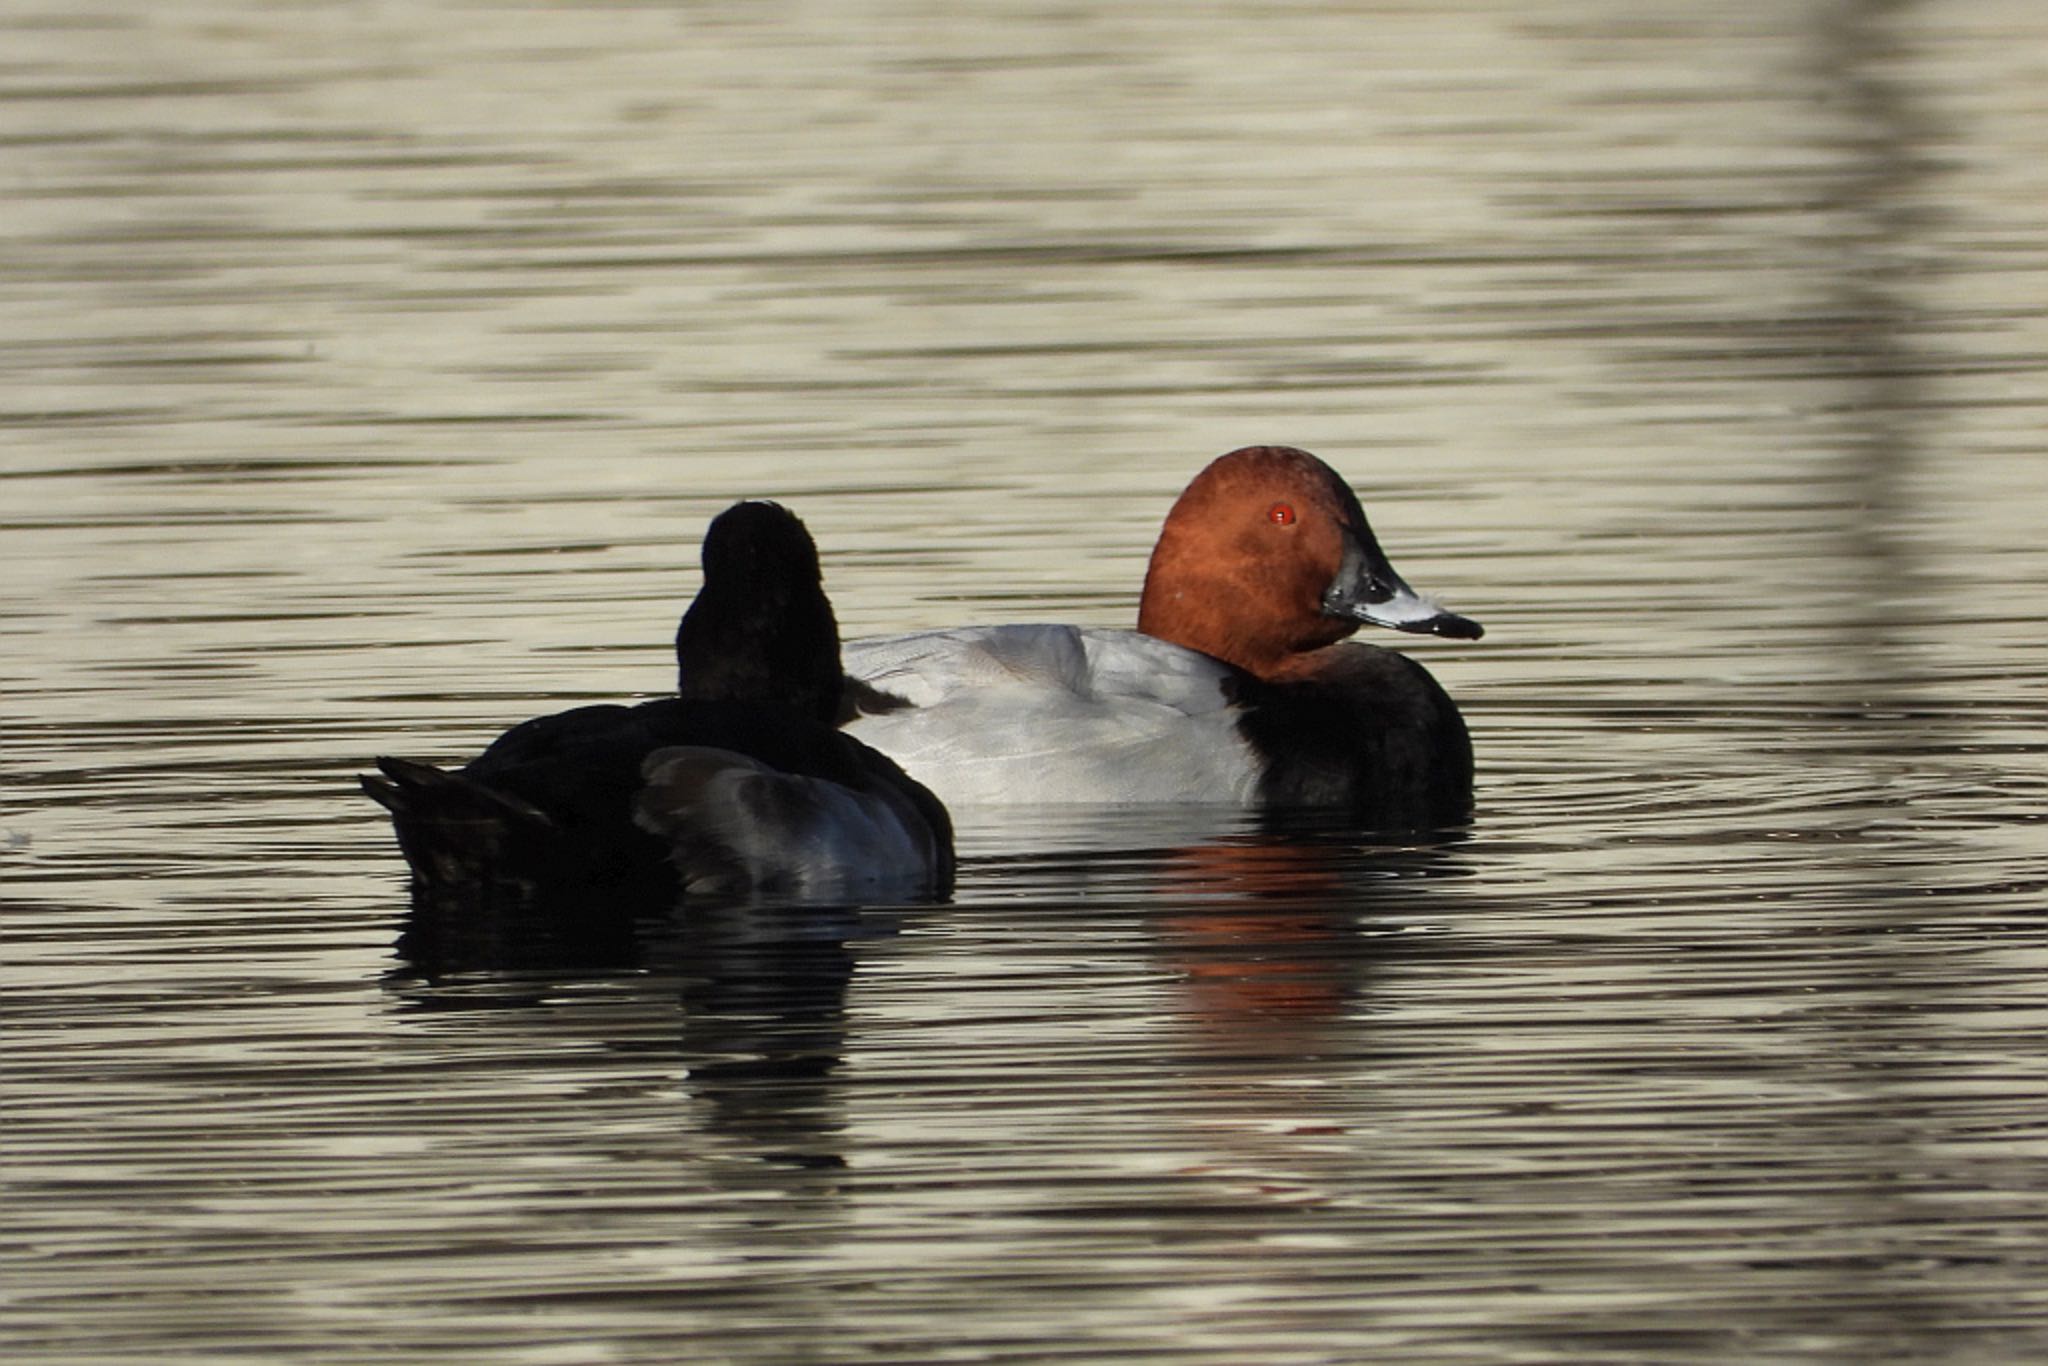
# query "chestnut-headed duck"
(1237, 687)
(738, 786)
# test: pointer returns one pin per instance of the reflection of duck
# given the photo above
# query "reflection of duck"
(764, 1026)
(746, 1002)
(1234, 689)
(738, 785)
(1268, 929)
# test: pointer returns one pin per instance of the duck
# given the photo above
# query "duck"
(1238, 686)
(739, 786)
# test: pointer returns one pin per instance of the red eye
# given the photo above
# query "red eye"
(1281, 514)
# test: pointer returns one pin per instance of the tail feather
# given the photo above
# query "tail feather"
(424, 790)
(454, 830)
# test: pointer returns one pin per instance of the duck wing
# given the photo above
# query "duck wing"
(1031, 713)
(736, 826)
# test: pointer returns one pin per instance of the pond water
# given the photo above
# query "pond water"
(370, 371)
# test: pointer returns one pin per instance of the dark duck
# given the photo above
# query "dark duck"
(740, 786)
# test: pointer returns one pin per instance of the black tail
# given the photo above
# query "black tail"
(455, 831)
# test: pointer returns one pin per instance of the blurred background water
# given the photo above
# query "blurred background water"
(369, 371)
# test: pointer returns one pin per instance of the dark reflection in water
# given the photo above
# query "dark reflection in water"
(760, 994)
(764, 1029)
(1883, 375)
(1270, 935)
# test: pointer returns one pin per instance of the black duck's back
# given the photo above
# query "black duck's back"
(562, 802)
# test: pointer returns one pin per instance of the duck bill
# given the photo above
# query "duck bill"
(1367, 589)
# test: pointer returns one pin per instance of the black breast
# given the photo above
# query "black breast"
(1370, 731)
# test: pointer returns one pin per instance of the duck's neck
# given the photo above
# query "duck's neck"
(1240, 618)
(786, 652)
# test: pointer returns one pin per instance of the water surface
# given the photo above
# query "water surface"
(370, 372)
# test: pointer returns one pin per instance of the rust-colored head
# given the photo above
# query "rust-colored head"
(1267, 556)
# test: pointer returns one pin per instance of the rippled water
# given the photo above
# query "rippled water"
(370, 371)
